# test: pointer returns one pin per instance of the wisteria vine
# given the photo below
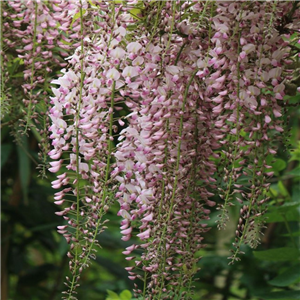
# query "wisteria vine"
(201, 88)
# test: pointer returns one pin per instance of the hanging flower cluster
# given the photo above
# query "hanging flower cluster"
(37, 37)
(202, 84)
(251, 55)
(83, 127)
(33, 29)
(165, 154)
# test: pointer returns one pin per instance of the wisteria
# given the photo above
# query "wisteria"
(33, 34)
(154, 102)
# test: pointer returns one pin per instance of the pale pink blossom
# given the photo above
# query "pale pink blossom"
(144, 235)
(133, 47)
(113, 74)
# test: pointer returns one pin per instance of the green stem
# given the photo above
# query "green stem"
(159, 9)
(75, 273)
(248, 212)
(110, 143)
(29, 110)
(291, 13)
(179, 53)
(171, 30)
(179, 143)
(145, 285)
(1, 60)
(176, 172)
(164, 170)
(237, 136)
(161, 201)
(105, 188)
(108, 165)
(272, 16)
(288, 228)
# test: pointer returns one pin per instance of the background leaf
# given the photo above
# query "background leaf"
(278, 254)
(125, 295)
(278, 165)
(24, 166)
(287, 277)
(282, 295)
(286, 212)
(5, 152)
(112, 295)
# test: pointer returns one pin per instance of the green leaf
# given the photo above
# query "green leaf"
(243, 133)
(112, 295)
(279, 165)
(24, 165)
(294, 172)
(273, 192)
(287, 277)
(135, 13)
(278, 254)
(125, 295)
(296, 193)
(5, 152)
(282, 295)
(288, 206)
(287, 212)
(14, 65)
(297, 233)
(18, 75)
(295, 153)
(283, 191)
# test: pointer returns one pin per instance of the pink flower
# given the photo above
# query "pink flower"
(133, 47)
(130, 72)
(113, 74)
(267, 119)
(126, 231)
(148, 218)
(55, 166)
(144, 235)
(117, 53)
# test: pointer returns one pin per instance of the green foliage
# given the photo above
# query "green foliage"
(295, 153)
(24, 165)
(5, 153)
(289, 276)
(278, 254)
(278, 166)
(286, 212)
(124, 295)
(281, 295)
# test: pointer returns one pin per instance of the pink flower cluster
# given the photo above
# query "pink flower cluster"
(251, 57)
(203, 96)
(37, 36)
(34, 29)
(161, 154)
